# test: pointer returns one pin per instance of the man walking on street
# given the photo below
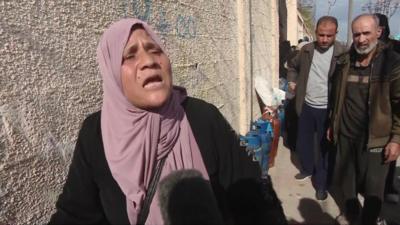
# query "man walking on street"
(365, 120)
(391, 191)
(309, 76)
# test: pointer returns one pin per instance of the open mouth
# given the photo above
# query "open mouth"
(151, 82)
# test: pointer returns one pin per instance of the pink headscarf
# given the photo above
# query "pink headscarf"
(135, 139)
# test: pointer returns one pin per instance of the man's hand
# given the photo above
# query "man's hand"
(291, 87)
(392, 151)
(329, 134)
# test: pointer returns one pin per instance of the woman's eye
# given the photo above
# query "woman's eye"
(156, 51)
(130, 56)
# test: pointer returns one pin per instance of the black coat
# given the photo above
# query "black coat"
(92, 196)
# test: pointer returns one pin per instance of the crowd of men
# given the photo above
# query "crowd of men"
(347, 102)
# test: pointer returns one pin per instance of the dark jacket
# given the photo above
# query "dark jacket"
(383, 99)
(299, 69)
(394, 44)
(92, 196)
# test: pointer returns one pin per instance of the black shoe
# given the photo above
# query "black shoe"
(302, 176)
(321, 195)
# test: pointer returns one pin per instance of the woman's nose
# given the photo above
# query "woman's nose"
(147, 60)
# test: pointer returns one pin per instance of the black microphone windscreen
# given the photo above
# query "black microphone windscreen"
(185, 197)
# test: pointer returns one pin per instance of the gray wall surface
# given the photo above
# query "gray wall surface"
(50, 81)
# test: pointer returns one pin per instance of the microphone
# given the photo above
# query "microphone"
(254, 201)
(185, 197)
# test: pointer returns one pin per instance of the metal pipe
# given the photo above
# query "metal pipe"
(251, 63)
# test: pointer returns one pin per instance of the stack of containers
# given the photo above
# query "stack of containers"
(258, 143)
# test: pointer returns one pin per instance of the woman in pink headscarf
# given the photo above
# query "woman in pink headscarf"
(145, 123)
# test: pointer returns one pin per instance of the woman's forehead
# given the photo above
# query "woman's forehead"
(139, 32)
(140, 35)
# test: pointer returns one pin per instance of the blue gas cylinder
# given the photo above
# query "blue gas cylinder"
(266, 140)
(281, 116)
(252, 142)
(258, 142)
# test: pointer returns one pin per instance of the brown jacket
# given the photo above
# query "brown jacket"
(383, 100)
(299, 69)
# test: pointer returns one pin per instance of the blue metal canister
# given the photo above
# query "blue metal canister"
(258, 143)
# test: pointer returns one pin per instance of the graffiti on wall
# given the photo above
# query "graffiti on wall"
(14, 122)
(184, 26)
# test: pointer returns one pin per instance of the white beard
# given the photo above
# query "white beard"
(366, 50)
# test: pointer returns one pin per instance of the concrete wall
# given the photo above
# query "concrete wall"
(292, 34)
(50, 81)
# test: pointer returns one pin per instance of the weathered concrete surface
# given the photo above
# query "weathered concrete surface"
(298, 197)
(49, 78)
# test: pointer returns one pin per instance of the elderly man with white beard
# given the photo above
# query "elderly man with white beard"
(365, 121)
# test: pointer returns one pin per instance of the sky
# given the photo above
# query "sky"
(340, 11)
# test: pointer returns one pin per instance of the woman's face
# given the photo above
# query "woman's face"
(145, 71)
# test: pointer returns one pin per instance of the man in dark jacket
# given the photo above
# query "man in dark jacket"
(309, 75)
(391, 192)
(384, 25)
(365, 120)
